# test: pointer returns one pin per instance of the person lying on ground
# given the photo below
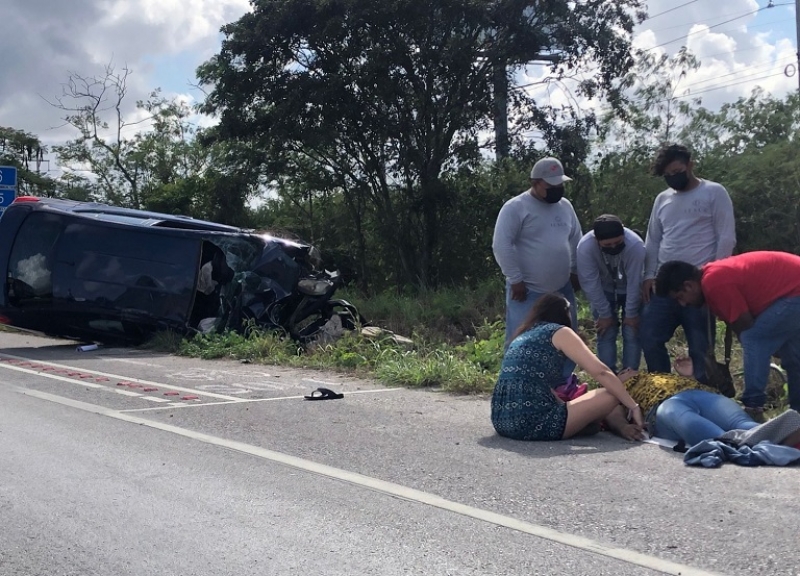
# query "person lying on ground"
(524, 404)
(678, 407)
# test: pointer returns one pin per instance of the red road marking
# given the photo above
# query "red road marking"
(171, 393)
(150, 389)
(190, 397)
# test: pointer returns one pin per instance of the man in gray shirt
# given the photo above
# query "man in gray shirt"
(691, 221)
(610, 266)
(534, 243)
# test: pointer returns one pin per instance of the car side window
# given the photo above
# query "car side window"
(30, 266)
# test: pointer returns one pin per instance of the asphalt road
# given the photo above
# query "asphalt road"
(123, 461)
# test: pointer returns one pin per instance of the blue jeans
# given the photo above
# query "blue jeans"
(697, 415)
(517, 312)
(776, 329)
(660, 318)
(607, 343)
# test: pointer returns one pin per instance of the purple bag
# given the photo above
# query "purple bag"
(571, 389)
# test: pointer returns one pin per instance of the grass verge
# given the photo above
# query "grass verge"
(458, 337)
(467, 369)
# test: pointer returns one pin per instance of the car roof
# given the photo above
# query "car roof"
(130, 216)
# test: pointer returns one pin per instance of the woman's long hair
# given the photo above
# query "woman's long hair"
(549, 308)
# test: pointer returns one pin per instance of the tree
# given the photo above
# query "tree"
(94, 107)
(151, 158)
(387, 97)
(26, 152)
(656, 112)
(750, 146)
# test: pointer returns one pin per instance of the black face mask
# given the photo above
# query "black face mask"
(613, 250)
(554, 194)
(679, 181)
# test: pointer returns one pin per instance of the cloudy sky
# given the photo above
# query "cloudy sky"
(741, 44)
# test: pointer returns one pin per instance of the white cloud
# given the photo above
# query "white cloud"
(741, 44)
(161, 41)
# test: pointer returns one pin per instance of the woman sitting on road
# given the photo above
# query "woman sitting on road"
(524, 404)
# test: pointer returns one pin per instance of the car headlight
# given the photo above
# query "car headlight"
(314, 287)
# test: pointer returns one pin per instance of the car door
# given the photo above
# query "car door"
(125, 280)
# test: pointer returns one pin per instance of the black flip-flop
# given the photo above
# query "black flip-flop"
(323, 394)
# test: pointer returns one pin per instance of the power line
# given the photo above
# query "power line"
(685, 24)
(721, 24)
(731, 85)
(726, 52)
(759, 66)
(746, 79)
(707, 20)
(668, 11)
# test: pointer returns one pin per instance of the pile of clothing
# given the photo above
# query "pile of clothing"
(760, 446)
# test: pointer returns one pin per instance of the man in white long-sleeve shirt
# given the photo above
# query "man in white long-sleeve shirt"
(610, 266)
(534, 243)
(692, 221)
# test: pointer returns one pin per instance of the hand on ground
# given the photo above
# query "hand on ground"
(632, 432)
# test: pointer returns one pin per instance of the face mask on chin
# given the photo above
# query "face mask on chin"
(679, 181)
(554, 194)
(613, 250)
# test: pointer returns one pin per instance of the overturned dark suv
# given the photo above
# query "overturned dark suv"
(95, 272)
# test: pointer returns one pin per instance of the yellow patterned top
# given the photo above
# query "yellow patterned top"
(650, 389)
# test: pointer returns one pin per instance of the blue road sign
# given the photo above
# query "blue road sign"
(7, 197)
(8, 186)
(8, 177)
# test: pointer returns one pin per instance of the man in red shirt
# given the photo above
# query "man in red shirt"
(758, 295)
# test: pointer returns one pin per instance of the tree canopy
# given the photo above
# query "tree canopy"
(384, 97)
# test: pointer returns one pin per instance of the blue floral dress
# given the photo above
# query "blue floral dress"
(523, 404)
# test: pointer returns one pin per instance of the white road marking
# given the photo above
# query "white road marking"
(127, 393)
(126, 361)
(315, 381)
(51, 376)
(391, 489)
(250, 401)
(107, 375)
(224, 388)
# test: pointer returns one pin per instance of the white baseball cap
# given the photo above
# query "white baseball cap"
(550, 170)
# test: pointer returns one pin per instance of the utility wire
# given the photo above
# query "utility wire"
(668, 11)
(704, 21)
(727, 52)
(759, 66)
(721, 24)
(731, 85)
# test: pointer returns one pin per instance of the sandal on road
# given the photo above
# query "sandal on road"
(324, 394)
